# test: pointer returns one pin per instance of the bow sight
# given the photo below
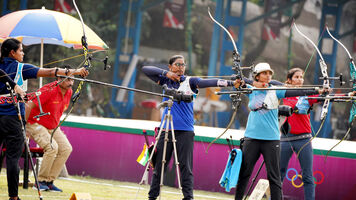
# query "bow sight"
(105, 61)
(177, 95)
(339, 78)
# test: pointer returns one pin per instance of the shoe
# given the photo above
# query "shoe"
(53, 188)
(18, 198)
(43, 186)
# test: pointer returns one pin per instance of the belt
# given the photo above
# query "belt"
(298, 137)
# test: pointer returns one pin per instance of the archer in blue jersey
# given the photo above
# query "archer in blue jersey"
(10, 125)
(183, 121)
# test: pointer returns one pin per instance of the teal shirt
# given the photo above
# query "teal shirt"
(263, 124)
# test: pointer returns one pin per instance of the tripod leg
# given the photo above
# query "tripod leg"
(27, 151)
(164, 150)
(153, 150)
(147, 168)
(175, 153)
(32, 166)
(25, 169)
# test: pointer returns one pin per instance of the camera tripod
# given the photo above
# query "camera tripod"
(167, 121)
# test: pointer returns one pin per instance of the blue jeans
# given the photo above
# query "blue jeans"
(305, 160)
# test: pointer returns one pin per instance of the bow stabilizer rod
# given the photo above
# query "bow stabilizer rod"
(117, 86)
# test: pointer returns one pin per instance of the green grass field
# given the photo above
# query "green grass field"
(102, 189)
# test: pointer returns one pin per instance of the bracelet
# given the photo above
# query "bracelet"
(55, 72)
(67, 71)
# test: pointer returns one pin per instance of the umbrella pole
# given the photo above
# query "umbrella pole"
(41, 62)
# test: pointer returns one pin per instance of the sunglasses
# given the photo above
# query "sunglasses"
(179, 64)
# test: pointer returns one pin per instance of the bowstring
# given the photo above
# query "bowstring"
(311, 57)
(56, 61)
(305, 71)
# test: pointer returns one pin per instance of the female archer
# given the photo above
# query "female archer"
(10, 126)
(183, 121)
(262, 134)
(297, 133)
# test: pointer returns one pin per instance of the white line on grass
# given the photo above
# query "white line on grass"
(28, 195)
(136, 188)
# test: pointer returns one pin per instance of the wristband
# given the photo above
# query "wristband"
(55, 72)
(164, 72)
(67, 71)
(222, 83)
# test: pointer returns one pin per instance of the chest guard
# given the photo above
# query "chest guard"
(185, 88)
(270, 101)
(19, 77)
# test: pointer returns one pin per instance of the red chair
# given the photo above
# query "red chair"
(36, 152)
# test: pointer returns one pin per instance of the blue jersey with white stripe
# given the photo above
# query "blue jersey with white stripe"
(10, 65)
(182, 113)
(263, 124)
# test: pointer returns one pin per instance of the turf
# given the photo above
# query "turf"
(100, 189)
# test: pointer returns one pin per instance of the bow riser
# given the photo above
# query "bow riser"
(326, 83)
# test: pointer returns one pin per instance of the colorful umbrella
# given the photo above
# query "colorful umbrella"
(46, 26)
(42, 26)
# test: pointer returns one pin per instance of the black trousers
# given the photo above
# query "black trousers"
(185, 145)
(251, 151)
(12, 136)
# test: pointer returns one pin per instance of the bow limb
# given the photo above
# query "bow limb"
(87, 65)
(316, 134)
(227, 32)
(326, 84)
(236, 54)
(353, 77)
(227, 128)
(236, 98)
